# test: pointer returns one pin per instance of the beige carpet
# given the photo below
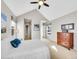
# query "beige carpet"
(59, 52)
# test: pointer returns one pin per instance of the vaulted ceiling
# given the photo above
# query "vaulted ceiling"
(57, 8)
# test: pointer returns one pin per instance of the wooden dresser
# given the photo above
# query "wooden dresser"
(65, 39)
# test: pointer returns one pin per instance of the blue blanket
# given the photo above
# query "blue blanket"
(15, 43)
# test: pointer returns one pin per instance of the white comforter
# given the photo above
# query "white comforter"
(33, 49)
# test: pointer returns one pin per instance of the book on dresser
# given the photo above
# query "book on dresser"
(65, 39)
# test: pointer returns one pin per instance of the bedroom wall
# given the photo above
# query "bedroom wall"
(35, 17)
(8, 13)
(56, 26)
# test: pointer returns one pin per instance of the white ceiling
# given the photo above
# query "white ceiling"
(57, 8)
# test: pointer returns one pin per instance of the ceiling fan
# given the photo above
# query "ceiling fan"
(40, 2)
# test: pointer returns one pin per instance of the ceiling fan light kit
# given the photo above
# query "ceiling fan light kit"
(40, 2)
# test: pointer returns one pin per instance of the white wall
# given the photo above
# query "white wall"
(56, 26)
(8, 13)
(35, 17)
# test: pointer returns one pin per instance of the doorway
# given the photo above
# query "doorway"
(27, 31)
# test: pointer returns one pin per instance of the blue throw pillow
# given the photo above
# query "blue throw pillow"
(15, 43)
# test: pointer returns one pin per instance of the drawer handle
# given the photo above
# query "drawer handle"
(65, 43)
(65, 38)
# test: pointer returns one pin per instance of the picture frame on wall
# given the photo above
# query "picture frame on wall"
(3, 30)
(66, 27)
(69, 26)
(36, 27)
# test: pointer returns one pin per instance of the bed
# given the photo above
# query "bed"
(29, 49)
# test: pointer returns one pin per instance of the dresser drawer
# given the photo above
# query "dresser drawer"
(66, 43)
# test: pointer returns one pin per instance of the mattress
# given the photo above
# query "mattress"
(29, 49)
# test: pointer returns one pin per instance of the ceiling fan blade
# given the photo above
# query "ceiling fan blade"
(39, 6)
(33, 2)
(46, 4)
(44, 0)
